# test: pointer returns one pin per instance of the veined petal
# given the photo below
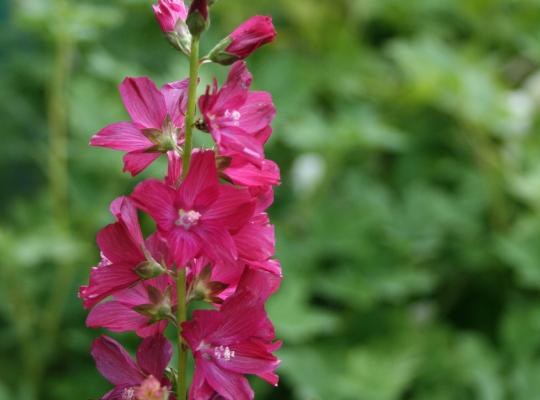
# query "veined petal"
(154, 355)
(202, 174)
(125, 212)
(105, 281)
(235, 90)
(250, 357)
(175, 95)
(118, 246)
(232, 210)
(230, 385)
(156, 198)
(116, 317)
(216, 243)
(184, 245)
(136, 162)
(114, 363)
(123, 136)
(144, 102)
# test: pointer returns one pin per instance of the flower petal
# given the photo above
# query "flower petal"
(116, 317)
(230, 385)
(175, 95)
(156, 199)
(232, 209)
(136, 162)
(114, 363)
(118, 246)
(154, 355)
(123, 136)
(184, 245)
(144, 102)
(202, 174)
(216, 243)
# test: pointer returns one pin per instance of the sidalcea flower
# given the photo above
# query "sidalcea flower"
(244, 40)
(200, 216)
(129, 376)
(157, 120)
(168, 12)
(231, 342)
(144, 308)
(238, 119)
(126, 258)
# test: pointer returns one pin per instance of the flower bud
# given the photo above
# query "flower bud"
(171, 15)
(149, 269)
(244, 40)
(168, 13)
(197, 19)
(159, 307)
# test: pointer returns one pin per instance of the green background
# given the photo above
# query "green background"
(408, 219)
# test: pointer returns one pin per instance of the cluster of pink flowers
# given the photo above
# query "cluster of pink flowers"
(211, 228)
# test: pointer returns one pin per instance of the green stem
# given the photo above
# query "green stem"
(181, 317)
(186, 159)
(192, 99)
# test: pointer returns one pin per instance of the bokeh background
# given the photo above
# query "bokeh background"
(408, 219)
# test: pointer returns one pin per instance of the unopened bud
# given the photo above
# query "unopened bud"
(198, 20)
(149, 269)
(244, 40)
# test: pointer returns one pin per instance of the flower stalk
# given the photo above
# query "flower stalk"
(192, 99)
(181, 313)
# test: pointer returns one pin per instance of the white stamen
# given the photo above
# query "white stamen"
(187, 219)
(128, 394)
(224, 353)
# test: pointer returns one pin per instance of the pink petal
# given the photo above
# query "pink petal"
(116, 317)
(250, 357)
(216, 243)
(232, 209)
(235, 90)
(255, 241)
(122, 136)
(155, 328)
(244, 173)
(175, 95)
(156, 199)
(235, 142)
(202, 174)
(154, 355)
(230, 385)
(114, 363)
(105, 281)
(253, 116)
(199, 389)
(184, 245)
(118, 393)
(144, 102)
(125, 212)
(136, 162)
(118, 246)
(174, 169)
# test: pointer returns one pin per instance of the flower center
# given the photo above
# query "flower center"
(234, 115)
(187, 219)
(128, 394)
(223, 353)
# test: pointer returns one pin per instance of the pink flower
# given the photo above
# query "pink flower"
(244, 40)
(144, 308)
(168, 12)
(115, 364)
(238, 119)
(123, 255)
(200, 216)
(156, 126)
(231, 342)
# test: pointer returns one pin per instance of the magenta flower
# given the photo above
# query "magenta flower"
(144, 308)
(200, 216)
(238, 119)
(168, 12)
(244, 40)
(115, 364)
(123, 255)
(231, 342)
(156, 126)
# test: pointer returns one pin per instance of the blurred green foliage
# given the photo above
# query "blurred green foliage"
(408, 219)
